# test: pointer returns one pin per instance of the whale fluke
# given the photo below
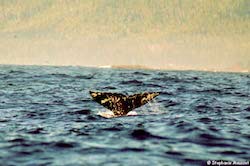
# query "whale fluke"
(121, 104)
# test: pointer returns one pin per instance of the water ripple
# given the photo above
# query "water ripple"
(48, 118)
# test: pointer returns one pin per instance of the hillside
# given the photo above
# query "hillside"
(188, 33)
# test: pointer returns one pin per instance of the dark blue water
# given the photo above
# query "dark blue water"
(48, 118)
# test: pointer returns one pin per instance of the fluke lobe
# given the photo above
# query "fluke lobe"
(121, 104)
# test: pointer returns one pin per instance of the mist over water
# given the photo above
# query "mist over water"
(47, 117)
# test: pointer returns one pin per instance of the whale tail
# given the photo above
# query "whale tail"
(121, 104)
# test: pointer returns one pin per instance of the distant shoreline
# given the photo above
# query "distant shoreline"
(177, 69)
(137, 67)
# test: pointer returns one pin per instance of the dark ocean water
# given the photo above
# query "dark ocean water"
(47, 117)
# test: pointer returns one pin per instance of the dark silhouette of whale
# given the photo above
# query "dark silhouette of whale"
(121, 104)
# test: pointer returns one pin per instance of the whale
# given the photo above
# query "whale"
(120, 104)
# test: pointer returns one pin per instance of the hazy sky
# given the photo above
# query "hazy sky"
(178, 34)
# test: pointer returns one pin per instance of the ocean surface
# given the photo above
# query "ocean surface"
(47, 117)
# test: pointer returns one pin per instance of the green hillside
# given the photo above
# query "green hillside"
(118, 18)
(189, 34)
